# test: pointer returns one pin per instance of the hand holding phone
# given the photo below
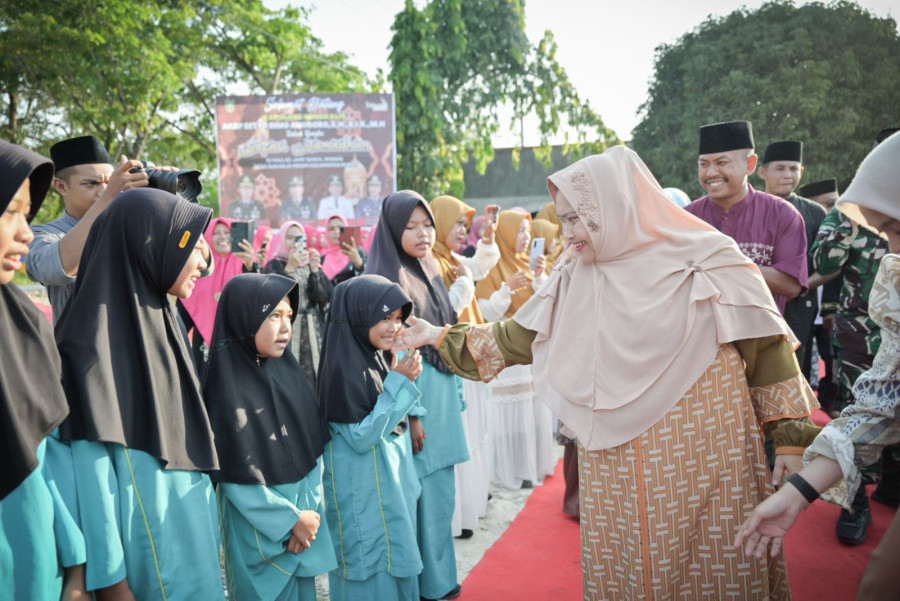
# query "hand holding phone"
(537, 250)
(490, 223)
(240, 230)
(351, 236)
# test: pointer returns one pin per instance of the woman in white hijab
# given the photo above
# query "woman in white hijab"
(657, 341)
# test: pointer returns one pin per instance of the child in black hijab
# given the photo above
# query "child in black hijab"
(270, 436)
(371, 488)
(140, 434)
(402, 252)
(37, 532)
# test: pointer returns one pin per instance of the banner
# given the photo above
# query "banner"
(306, 157)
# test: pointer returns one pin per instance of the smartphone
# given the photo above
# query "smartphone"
(351, 231)
(241, 230)
(490, 212)
(537, 249)
(300, 241)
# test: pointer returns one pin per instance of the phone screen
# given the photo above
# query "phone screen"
(537, 249)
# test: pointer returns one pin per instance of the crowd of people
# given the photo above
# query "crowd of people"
(212, 417)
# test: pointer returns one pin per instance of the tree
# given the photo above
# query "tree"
(827, 75)
(455, 64)
(143, 77)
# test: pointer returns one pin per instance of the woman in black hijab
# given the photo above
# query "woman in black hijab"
(270, 436)
(371, 488)
(34, 522)
(140, 434)
(402, 252)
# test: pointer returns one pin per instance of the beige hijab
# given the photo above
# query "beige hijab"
(622, 338)
(876, 185)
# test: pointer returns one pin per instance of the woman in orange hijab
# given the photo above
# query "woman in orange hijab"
(522, 427)
(452, 218)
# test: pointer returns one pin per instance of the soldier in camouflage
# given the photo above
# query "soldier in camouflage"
(855, 251)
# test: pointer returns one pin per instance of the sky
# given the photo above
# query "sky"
(606, 46)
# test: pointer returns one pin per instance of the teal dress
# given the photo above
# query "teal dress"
(33, 521)
(371, 491)
(157, 527)
(256, 526)
(445, 446)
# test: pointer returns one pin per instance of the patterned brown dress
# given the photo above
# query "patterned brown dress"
(659, 514)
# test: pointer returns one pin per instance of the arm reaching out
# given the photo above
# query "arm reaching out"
(419, 333)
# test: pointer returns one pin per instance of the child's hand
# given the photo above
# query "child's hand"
(304, 531)
(417, 433)
(410, 366)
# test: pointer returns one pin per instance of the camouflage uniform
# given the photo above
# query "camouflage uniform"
(856, 252)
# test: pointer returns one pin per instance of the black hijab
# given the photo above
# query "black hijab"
(351, 370)
(420, 278)
(268, 427)
(127, 373)
(32, 402)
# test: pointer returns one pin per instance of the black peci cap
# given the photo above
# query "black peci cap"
(820, 187)
(722, 137)
(84, 150)
(784, 151)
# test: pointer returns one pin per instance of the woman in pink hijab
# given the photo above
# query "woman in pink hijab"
(295, 254)
(199, 310)
(658, 343)
(341, 261)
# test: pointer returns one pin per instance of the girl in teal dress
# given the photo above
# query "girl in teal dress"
(41, 546)
(371, 488)
(402, 252)
(270, 436)
(138, 429)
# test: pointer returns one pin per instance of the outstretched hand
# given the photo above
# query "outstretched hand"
(769, 522)
(419, 333)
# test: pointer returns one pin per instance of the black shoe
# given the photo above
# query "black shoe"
(851, 527)
(453, 594)
(466, 533)
(527, 484)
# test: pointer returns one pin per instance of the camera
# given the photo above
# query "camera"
(184, 182)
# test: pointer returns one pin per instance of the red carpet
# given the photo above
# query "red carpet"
(539, 556)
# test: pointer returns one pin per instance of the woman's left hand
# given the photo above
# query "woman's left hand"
(785, 465)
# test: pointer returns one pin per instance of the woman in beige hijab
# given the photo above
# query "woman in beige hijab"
(658, 343)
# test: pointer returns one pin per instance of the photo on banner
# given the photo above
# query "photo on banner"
(306, 157)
